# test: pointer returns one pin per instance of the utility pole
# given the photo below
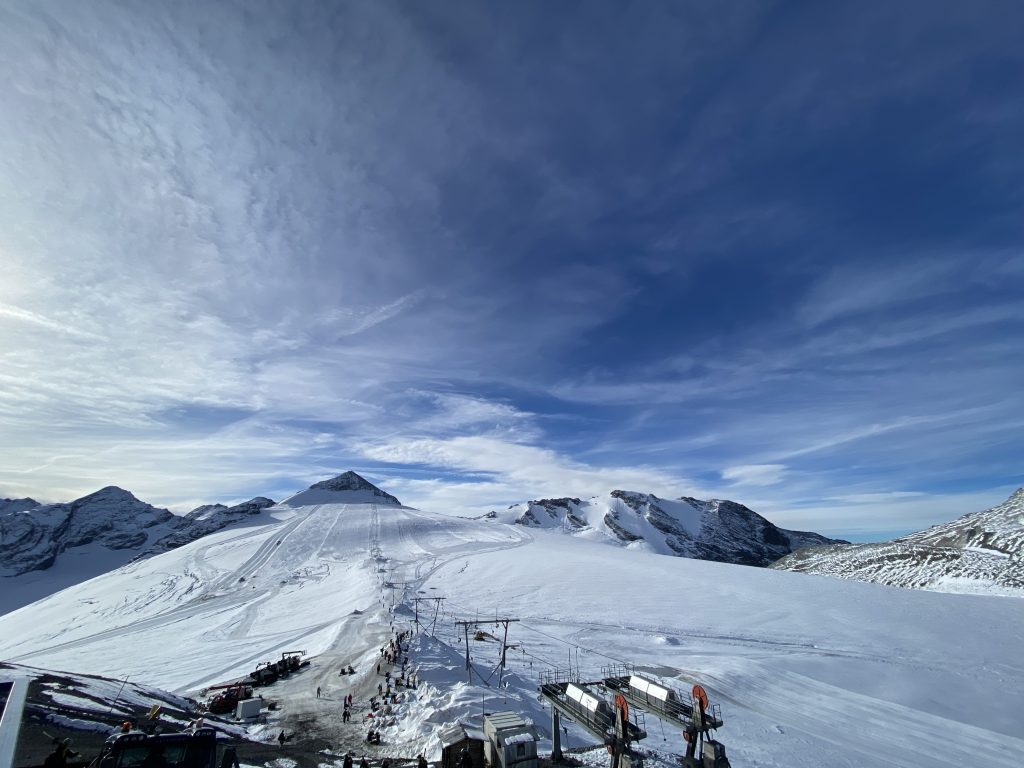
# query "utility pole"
(465, 627)
(416, 600)
(504, 647)
(504, 644)
(437, 607)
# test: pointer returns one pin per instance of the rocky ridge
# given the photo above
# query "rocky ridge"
(719, 530)
(979, 552)
(17, 505)
(110, 519)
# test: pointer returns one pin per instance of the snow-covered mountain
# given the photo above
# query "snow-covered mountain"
(207, 519)
(798, 663)
(45, 548)
(32, 539)
(980, 552)
(17, 505)
(346, 488)
(718, 530)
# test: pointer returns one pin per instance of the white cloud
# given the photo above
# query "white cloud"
(853, 289)
(886, 514)
(514, 472)
(27, 316)
(755, 474)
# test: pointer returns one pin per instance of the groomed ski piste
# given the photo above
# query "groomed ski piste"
(809, 671)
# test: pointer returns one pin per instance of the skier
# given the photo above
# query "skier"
(421, 761)
(347, 762)
(318, 691)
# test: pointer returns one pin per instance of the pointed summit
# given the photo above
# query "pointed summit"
(346, 488)
(346, 481)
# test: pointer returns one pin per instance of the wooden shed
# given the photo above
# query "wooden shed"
(457, 737)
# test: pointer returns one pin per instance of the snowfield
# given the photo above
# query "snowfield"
(809, 671)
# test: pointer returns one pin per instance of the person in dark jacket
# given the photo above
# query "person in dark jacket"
(61, 752)
(347, 763)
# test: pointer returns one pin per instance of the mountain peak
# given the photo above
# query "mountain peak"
(108, 493)
(346, 488)
(346, 481)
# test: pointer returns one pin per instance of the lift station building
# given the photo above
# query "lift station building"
(510, 741)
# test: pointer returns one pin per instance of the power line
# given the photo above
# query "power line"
(575, 645)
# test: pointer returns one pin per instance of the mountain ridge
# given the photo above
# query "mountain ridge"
(979, 551)
(98, 532)
(718, 529)
(17, 505)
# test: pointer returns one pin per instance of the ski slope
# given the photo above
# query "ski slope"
(809, 671)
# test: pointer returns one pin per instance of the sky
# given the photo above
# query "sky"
(770, 252)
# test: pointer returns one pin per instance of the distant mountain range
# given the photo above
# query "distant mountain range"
(17, 505)
(980, 552)
(74, 541)
(101, 531)
(33, 536)
(718, 530)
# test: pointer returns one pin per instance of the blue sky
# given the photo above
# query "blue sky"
(769, 252)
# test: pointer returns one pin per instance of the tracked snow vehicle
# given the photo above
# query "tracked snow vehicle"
(191, 749)
(228, 698)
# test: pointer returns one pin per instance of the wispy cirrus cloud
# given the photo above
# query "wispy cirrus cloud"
(754, 474)
(510, 468)
(510, 254)
(8, 311)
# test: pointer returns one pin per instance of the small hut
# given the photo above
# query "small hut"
(510, 741)
(455, 739)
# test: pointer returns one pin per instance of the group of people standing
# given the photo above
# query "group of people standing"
(391, 653)
(347, 762)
